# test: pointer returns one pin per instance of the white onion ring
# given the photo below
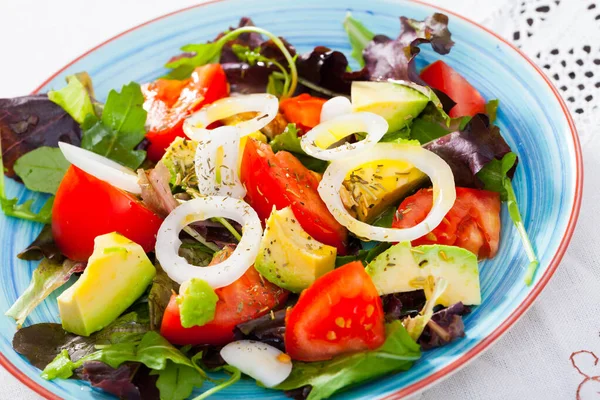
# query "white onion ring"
(101, 167)
(228, 139)
(316, 141)
(335, 107)
(261, 361)
(266, 105)
(200, 209)
(444, 192)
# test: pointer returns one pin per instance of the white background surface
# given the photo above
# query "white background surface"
(529, 362)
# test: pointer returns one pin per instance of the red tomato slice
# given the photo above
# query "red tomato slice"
(247, 298)
(472, 223)
(86, 207)
(280, 180)
(340, 313)
(169, 101)
(442, 77)
(303, 110)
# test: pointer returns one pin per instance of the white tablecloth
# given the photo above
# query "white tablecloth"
(537, 359)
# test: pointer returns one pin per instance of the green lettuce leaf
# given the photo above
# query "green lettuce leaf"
(491, 109)
(359, 37)
(42, 169)
(121, 128)
(290, 141)
(74, 99)
(12, 208)
(46, 278)
(197, 303)
(398, 353)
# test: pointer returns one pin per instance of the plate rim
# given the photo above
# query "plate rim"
(490, 339)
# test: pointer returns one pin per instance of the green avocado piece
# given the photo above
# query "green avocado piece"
(368, 190)
(179, 160)
(397, 103)
(288, 256)
(117, 274)
(403, 268)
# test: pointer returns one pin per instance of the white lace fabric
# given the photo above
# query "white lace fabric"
(553, 351)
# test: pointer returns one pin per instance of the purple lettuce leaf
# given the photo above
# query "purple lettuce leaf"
(444, 327)
(327, 69)
(114, 381)
(387, 58)
(29, 122)
(42, 247)
(399, 305)
(467, 151)
(269, 329)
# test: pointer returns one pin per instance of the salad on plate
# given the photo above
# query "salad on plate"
(256, 212)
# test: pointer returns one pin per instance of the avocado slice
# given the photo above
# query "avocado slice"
(289, 257)
(117, 274)
(179, 160)
(397, 103)
(403, 268)
(368, 190)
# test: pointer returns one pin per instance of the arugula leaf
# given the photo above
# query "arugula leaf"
(359, 37)
(401, 136)
(364, 255)
(494, 176)
(398, 353)
(290, 141)
(197, 303)
(120, 129)
(46, 278)
(73, 98)
(491, 109)
(176, 382)
(207, 53)
(42, 169)
(204, 53)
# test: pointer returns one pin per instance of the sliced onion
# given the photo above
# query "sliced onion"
(444, 192)
(195, 126)
(316, 142)
(216, 163)
(335, 107)
(200, 209)
(101, 167)
(260, 361)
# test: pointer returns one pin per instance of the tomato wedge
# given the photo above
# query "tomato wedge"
(168, 102)
(303, 110)
(281, 180)
(340, 313)
(468, 100)
(473, 223)
(247, 298)
(86, 207)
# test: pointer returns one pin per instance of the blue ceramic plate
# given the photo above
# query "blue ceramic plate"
(533, 119)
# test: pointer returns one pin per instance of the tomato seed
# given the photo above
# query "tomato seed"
(331, 335)
(339, 321)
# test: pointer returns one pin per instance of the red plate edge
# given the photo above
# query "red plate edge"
(491, 338)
